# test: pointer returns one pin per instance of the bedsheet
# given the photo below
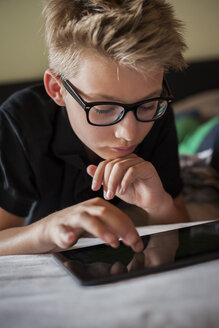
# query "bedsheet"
(36, 292)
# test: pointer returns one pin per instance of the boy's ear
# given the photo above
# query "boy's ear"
(53, 86)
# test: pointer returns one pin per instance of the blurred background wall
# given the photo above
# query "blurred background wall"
(23, 55)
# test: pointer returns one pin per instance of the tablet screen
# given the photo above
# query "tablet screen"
(162, 251)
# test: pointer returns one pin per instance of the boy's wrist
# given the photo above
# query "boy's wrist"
(165, 211)
(163, 205)
(41, 236)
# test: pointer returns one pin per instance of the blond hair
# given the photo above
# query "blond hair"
(135, 33)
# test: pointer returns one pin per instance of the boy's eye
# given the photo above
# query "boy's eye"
(107, 109)
(105, 114)
(148, 106)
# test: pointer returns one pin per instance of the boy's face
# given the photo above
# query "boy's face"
(100, 79)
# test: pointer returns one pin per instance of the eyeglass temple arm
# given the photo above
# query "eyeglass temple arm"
(69, 88)
(169, 92)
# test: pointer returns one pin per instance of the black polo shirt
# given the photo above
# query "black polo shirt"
(42, 167)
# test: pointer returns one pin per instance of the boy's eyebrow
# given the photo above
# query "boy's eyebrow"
(155, 93)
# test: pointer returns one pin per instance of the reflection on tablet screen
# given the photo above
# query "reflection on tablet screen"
(162, 251)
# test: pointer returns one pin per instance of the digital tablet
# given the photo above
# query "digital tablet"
(162, 251)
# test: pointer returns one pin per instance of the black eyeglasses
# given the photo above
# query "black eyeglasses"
(103, 113)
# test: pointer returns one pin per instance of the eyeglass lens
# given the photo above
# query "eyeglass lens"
(108, 114)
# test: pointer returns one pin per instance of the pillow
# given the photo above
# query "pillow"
(197, 124)
(194, 136)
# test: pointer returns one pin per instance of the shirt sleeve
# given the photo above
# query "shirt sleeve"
(17, 188)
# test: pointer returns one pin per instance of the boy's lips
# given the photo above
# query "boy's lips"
(121, 149)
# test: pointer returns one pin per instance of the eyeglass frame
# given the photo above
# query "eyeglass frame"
(127, 107)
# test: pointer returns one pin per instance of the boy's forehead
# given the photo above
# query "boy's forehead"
(99, 75)
(97, 82)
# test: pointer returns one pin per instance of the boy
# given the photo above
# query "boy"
(102, 134)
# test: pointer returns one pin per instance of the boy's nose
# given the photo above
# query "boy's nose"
(127, 128)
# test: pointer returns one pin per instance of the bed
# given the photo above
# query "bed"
(195, 88)
(36, 292)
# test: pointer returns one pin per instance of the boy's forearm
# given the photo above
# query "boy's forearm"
(21, 240)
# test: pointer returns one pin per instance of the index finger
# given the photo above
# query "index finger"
(121, 225)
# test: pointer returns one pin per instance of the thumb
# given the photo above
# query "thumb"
(68, 237)
(91, 169)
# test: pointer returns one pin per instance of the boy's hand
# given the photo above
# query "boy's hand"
(130, 178)
(96, 216)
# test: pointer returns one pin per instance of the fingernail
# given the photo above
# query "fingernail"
(138, 247)
(121, 191)
(115, 244)
(129, 238)
(109, 238)
(94, 184)
(108, 194)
